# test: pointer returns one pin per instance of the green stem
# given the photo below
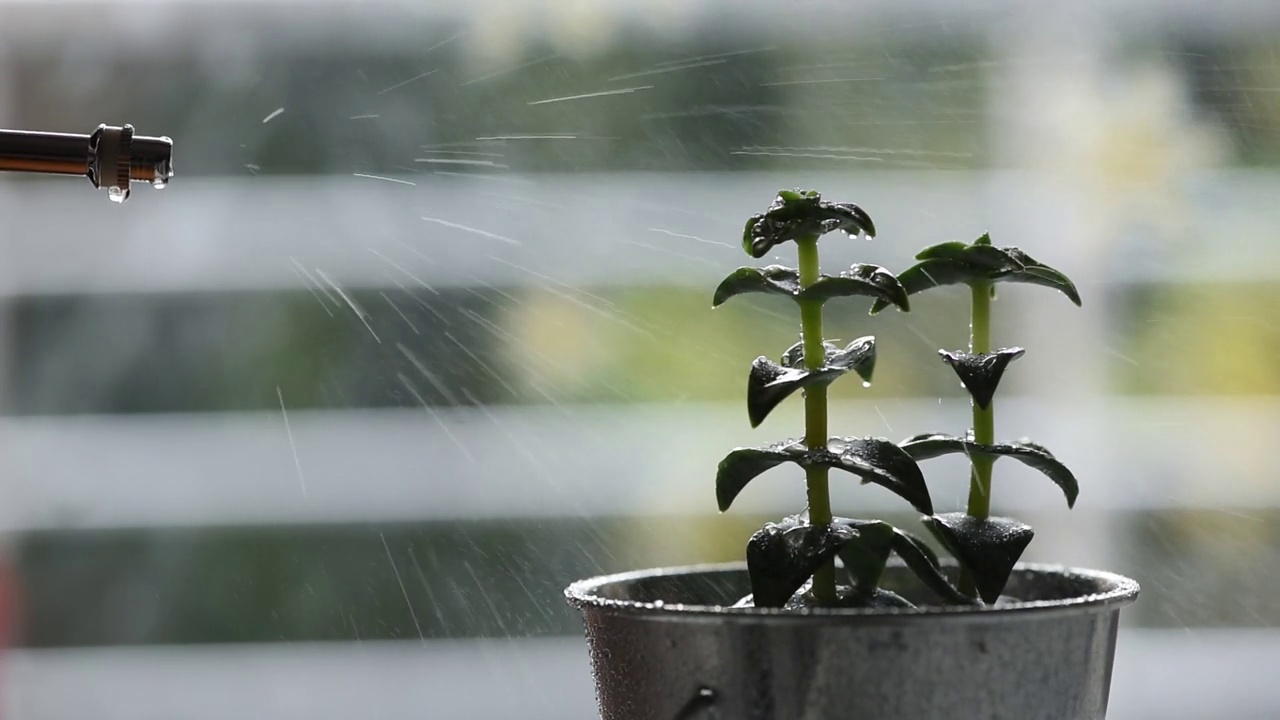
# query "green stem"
(984, 419)
(815, 412)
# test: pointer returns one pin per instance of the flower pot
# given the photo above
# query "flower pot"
(665, 646)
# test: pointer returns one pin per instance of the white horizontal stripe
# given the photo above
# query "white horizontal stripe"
(580, 229)
(542, 461)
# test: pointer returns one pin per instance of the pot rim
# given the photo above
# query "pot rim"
(583, 595)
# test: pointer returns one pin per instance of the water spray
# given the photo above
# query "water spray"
(111, 157)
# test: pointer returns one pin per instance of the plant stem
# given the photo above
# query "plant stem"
(815, 412)
(984, 419)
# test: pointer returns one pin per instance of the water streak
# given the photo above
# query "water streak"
(402, 269)
(403, 591)
(385, 179)
(690, 237)
(444, 427)
(399, 312)
(467, 228)
(312, 284)
(584, 96)
(484, 366)
(504, 71)
(415, 78)
(780, 83)
(462, 161)
(355, 308)
(672, 68)
(297, 464)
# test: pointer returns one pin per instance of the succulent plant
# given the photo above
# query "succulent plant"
(792, 563)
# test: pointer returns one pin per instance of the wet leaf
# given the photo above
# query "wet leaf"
(860, 280)
(932, 445)
(874, 460)
(745, 464)
(988, 548)
(865, 556)
(980, 253)
(955, 263)
(924, 563)
(781, 557)
(879, 461)
(770, 280)
(796, 214)
(981, 372)
(770, 383)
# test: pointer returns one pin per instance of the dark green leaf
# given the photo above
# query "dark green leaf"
(770, 383)
(955, 263)
(858, 356)
(953, 250)
(988, 548)
(773, 280)
(864, 556)
(879, 461)
(981, 372)
(781, 557)
(1048, 277)
(920, 558)
(861, 279)
(932, 445)
(975, 254)
(745, 464)
(796, 214)
(875, 460)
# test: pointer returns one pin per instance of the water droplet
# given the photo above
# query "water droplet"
(866, 383)
(159, 183)
(659, 603)
(117, 195)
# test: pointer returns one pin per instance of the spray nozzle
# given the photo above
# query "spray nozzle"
(111, 157)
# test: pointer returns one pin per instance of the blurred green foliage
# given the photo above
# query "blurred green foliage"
(1198, 339)
(668, 345)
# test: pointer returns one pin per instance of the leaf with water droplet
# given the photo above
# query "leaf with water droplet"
(865, 556)
(781, 557)
(988, 548)
(874, 460)
(772, 280)
(770, 383)
(981, 372)
(796, 214)
(860, 280)
(955, 263)
(932, 445)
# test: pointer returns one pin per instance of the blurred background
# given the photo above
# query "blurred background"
(422, 330)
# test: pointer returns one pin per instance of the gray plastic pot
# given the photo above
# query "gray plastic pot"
(665, 646)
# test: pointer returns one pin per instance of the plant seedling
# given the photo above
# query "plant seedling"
(986, 546)
(791, 563)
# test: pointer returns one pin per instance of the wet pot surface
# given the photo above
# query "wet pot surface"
(664, 645)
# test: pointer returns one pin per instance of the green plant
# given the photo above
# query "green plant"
(792, 563)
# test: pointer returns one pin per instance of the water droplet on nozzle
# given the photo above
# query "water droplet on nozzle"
(117, 195)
